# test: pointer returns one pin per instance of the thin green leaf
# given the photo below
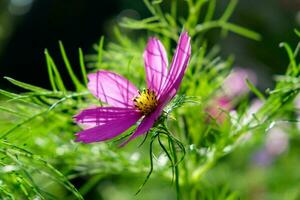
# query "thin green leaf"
(25, 85)
(82, 66)
(50, 73)
(55, 174)
(227, 26)
(8, 110)
(75, 80)
(100, 51)
(18, 125)
(297, 32)
(174, 9)
(210, 11)
(9, 94)
(167, 153)
(291, 56)
(156, 2)
(176, 170)
(151, 166)
(229, 10)
(90, 184)
(6, 192)
(56, 76)
(255, 90)
(242, 31)
(150, 7)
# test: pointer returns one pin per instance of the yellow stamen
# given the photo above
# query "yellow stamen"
(146, 101)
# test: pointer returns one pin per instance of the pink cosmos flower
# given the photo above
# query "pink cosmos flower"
(217, 108)
(127, 105)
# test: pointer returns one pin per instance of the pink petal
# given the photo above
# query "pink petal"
(102, 115)
(112, 88)
(145, 125)
(108, 130)
(177, 69)
(156, 63)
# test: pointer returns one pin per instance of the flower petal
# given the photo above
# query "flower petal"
(156, 63)
(112, 88)
(102, 115)
(177, 69)
(108, 130)
(145, 125)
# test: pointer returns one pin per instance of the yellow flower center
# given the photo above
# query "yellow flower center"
(146, 101)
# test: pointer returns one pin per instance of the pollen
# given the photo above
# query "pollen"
(146, 101)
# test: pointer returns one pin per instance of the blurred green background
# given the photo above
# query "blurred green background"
(27, 27)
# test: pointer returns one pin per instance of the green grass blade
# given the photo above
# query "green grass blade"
(9, 94)
(210, 11)
(291, 56)
(297, 32)
(150, 7)
(90, 184)
(9, 131)
(25, 85)
(229, 10)
(8, 194)
(58, 80)
(174, 8)
(242, 31)
(73, 77)
(82, 66)
(50, 73)
(228, 27)
(100, 51)
(255, 90)
(8, 110)
(52, 172)
(178, 193)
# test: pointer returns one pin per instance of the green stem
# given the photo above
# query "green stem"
(174, 8)
(172, 141)
(176, 171)
(90, 184)
(198, 172)
(228, 27)
(194, 12)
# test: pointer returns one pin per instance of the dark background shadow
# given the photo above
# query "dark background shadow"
(80, 23)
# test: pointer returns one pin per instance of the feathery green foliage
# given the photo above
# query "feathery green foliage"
(40, 160)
